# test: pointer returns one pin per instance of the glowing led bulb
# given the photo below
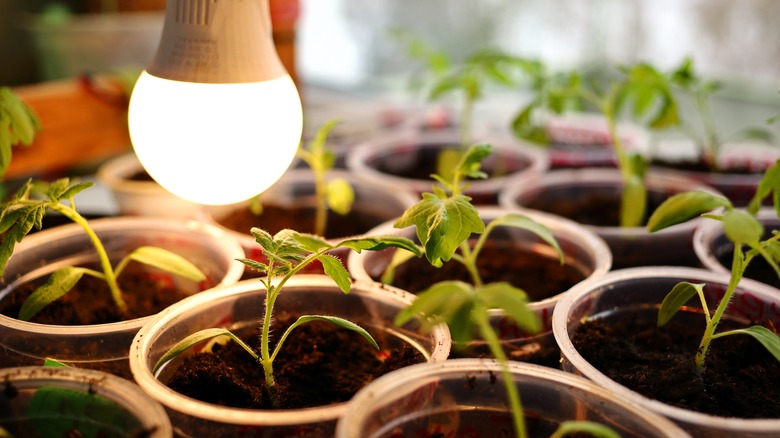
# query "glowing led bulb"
(215, 119)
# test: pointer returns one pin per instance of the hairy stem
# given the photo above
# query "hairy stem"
(710, 146)
(738, 266)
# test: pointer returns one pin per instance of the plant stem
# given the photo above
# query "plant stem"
(737, 269)
(489, 335)
(105, 263)
(710, 151)
(265, 353)
(320, 188)
(272, 292)
(469, 261)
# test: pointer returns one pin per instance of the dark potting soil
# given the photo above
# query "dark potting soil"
(539, 276)
(276, 218)
(319, 364)
(90, 301)
(141, 176)
(701, 166)
(741, 379)
(597, 209)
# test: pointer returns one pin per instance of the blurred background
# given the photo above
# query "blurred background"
(342, 53)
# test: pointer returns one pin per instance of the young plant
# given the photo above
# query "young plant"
(288, 253)
(707, 138)
(445, 220)
(18, 124)
(744, 231)
(468, 78)
(640, 87)
(336, 193)
(21, 213)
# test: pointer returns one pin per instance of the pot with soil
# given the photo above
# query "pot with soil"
(315, 378)
(291, 203)
(137, 194)
(578, 140)
(739, 168)
(716, 251)
(510, 254)
(607, 330)
(591, 197)
(61, 401)
(408, 160)
(464, 397)
(84, 327)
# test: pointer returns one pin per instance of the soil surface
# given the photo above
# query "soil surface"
(319, 364)
(741, 379)
(539, 276)
(597, 209)
(90, 301)
(276, 218)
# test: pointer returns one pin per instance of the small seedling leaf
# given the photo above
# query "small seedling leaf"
(511, 300)
(254, 264)
(49, 362)
(589, 428)
(742, 227)
(311, 242)
(76, 189)
(682, 207)
(526, 223)
(471, 162)
(676, 298)
(380, 242)
(196, 338)
(58, 284)
(336, 271)
(769, 183)
(167, 261)
(440, 300)
(341, 196)
(442, 224)
(263, 238)
(769, 339)
(399, 257)
(341, 322)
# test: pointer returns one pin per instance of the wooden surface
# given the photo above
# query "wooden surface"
(82, 125)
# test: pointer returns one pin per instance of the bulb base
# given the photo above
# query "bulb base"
(217, 41)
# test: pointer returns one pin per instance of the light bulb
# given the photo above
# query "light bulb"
(215, 119)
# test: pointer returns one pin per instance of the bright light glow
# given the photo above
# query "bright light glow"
(215, 143)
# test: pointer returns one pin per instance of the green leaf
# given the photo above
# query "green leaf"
(167, 261)
(341, 322)
(526, 223)
(23, 121)
(442, 224)
(197, 338)
(49, 362)
(335, 270)
(513, 301)
(770, 182)
(265, 239)
(676, 298)
(341, 196)
(310, 242)
(682, 207)
(633, 203)
(254, 264)
(589, 428)
(75, 189)
(441, 300)
(57, 188)
(741, 227)
(471, 161)
(766, 337)
(449, 301)
(380, 242)
(58, 284)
